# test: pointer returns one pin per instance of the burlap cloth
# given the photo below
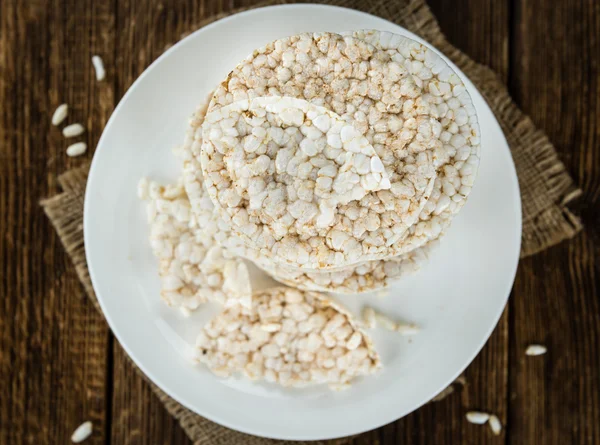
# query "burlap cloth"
(546, 188)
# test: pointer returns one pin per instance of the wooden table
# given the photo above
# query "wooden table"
(60, 365)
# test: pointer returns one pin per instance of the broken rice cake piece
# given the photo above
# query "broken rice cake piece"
(291, 337)
(193, 268)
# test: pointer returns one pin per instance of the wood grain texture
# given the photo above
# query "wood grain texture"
(555, 78)
(59, 365)
(53, 343)
(138, 417)
(479, 28)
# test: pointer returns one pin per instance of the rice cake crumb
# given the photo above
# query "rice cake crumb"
(373, 318)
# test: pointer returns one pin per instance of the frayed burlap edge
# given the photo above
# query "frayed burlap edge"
(546, 187)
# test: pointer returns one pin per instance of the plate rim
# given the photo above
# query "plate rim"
(92, 177)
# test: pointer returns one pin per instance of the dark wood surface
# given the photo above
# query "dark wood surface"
(59, 364)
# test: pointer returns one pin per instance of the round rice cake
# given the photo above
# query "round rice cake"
(389, 96)
(377, 220)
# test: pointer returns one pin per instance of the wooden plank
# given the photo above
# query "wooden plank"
(52, 341)
(555, 79)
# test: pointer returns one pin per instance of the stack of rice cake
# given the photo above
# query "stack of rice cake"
(334, 162)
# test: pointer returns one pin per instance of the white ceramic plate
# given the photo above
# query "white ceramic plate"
(457, 297)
